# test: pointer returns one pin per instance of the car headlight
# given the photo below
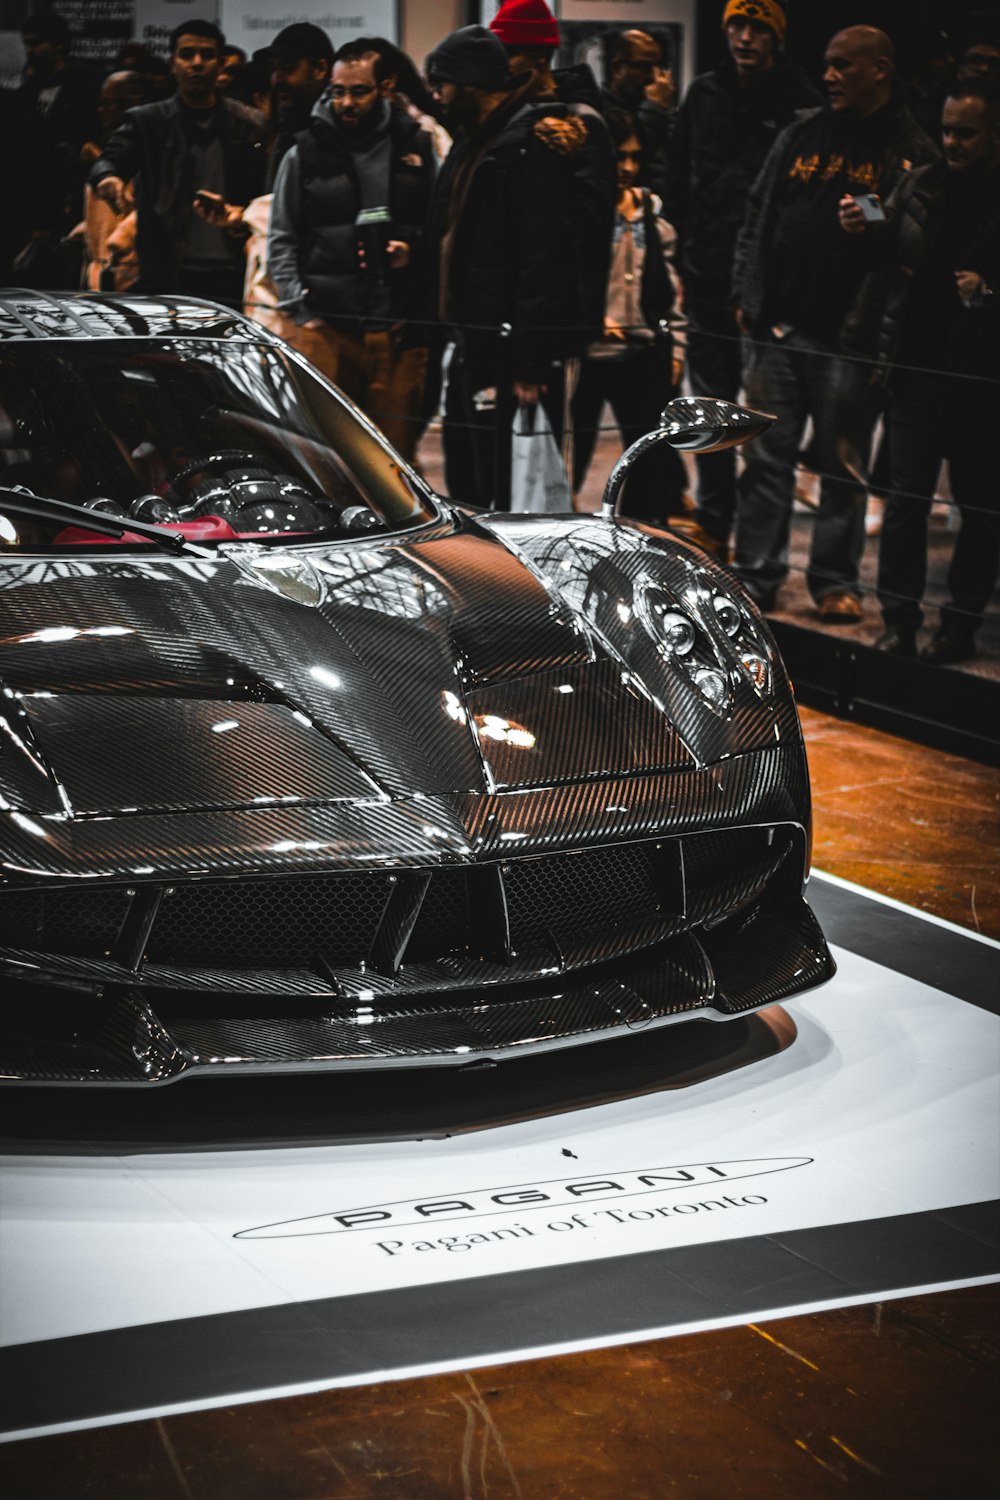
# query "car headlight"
(738, 626)
(713, 685)
(673, 632)
(677, 633)
(728, 614)
(709, 636)
(756, 669)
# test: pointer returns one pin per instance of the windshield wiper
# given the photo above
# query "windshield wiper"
(43, 508)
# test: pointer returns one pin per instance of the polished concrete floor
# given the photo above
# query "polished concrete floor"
(897, 1399)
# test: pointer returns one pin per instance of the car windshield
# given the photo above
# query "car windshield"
(220, 439)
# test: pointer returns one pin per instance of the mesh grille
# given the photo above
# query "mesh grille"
(294, 921)
(82, 922)
(269, 922)
(575, 893)
(723, 870)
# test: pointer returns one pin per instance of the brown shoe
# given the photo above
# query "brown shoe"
(841, 609)
(714, 545)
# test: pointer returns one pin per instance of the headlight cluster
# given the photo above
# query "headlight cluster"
(709, 636)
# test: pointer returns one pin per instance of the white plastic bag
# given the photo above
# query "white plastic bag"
(538, 481)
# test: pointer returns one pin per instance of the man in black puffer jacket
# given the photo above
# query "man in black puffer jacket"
(503, 245)
(728, 122)
(349, 201)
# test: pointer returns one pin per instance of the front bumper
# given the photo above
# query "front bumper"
(495, 960)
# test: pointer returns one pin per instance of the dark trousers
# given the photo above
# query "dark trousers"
(636, 385)
(715, 368)
(932, 417)
(795, 378)
(476, 460)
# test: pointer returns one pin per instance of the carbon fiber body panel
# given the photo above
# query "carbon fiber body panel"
(480, 786)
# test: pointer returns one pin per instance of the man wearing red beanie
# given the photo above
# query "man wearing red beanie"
(525, 23)
(502, 244)
(530, 35)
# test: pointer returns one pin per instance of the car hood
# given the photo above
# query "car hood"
(376, 688)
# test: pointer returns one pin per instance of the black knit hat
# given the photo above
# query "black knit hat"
(302, 39)
(473, 56)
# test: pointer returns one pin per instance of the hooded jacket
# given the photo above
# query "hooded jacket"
(324, 180)
(504, 239)
(152, 146)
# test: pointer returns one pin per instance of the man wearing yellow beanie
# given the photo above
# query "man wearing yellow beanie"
(726, 125)
(769, 13)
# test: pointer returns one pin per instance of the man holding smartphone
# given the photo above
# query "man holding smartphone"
(196, 142)
(796, 280)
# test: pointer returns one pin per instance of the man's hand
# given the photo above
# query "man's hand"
(111, 190)
(528, 395)
(677, 369)
(968, 284)
(661, 91)
(398, 252)
(613, 331)
(852, 220)
(228, 217)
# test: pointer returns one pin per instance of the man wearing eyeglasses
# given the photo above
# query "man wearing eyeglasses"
(349, 198)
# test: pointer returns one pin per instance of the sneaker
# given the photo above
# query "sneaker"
(841, 609)
(949, 644)
(898, 640)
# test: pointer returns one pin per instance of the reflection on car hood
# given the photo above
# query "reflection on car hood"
(387, 682)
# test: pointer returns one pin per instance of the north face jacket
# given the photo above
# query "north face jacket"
(324, 180)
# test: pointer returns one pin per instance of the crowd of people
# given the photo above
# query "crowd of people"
(496, 233)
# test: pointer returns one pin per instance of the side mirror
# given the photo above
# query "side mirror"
(695, 424)
(701, 424)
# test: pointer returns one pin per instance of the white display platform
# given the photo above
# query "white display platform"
(861, 1162)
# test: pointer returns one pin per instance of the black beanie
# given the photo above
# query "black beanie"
(473, 56)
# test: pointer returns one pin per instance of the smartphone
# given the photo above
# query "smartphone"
(211, 202)
(870, 207)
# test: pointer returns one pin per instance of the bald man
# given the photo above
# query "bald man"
(796, 283)
(110, 261)
(641, 82)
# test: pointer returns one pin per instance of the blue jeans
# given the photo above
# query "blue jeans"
(795, 378)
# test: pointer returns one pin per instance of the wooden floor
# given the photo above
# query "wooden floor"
(900, 1399)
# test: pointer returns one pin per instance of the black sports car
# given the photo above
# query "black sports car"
(302, 767)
